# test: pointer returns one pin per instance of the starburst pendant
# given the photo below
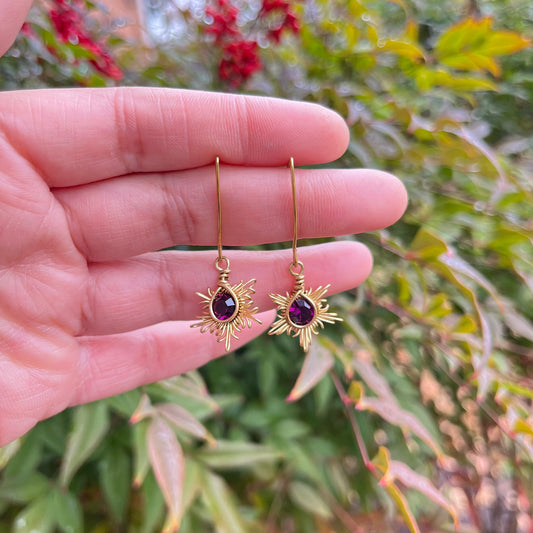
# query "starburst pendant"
(301, 312)
(227, 309)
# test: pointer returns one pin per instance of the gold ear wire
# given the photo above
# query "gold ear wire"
(228, 308)
(303, 310)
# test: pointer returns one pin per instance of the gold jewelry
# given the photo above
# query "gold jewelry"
(227, 309)
(303, 310)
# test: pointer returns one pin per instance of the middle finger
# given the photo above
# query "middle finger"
(126, 216)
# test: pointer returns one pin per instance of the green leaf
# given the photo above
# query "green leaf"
(401, 48)
(303, 461)
(24, 488)
(230, 455)
(457, 264)
(192, 483)
(90, 424)
(115, 479)
(67, 512)
(125, 403)
(221, 504)
(26, 459)
(153, 505)
(308, 499)
(339, 480)
(37, 517)
(8, 451)
(167, 461)
(504, 43)
(425, 245)
(474, 62)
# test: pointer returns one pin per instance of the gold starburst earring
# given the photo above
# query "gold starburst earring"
(228, 308)
(303, 310)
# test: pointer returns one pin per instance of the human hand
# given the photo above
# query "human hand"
(94, 180)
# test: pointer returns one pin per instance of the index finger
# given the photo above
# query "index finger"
(13, 15)
(76, 136)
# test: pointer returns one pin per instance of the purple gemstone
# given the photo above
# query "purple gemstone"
(301, 311)
(224, 305)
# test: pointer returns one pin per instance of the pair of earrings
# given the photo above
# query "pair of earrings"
(228, 308)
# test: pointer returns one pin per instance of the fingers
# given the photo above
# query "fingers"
(162, 286)
(76, 136)
(123, 217)
(13, 15)
(112, 364)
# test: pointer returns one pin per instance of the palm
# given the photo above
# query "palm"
(43, 283)
(94, 181)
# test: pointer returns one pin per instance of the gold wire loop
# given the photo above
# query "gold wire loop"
(219, 212)
(222, 263)
(236, 311)
(293, 266)
(295, 213)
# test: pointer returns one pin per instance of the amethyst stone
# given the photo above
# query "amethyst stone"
(224, 305)
(301, 311)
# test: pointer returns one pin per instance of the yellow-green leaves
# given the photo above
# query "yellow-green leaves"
(473, 45)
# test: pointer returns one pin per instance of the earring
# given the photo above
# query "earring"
(227, 309)
(303, 310)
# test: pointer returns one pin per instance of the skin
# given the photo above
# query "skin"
(94, 181)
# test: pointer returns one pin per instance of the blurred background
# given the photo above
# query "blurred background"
(417, 410)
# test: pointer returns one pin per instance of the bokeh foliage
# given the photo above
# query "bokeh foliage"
(421, 402)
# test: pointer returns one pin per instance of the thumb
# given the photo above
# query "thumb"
(12, 15)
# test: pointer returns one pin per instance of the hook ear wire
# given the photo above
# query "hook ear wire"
(219, 211)
(302, 311)
(295, 263)
(228, 308)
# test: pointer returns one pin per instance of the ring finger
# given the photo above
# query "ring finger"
(156, 287)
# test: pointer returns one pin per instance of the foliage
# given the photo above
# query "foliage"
(431, 370)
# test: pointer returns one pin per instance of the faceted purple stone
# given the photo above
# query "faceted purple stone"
(224, 305)
(301, 311)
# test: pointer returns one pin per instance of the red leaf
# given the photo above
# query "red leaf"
(390, 411)
(317, 363)
(167, 461)
(182, 419)
(410, 478)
